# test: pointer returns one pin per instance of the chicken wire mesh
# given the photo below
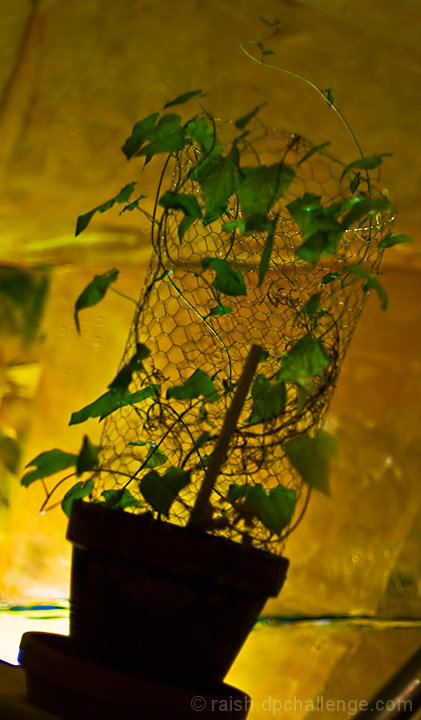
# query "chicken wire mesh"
(175, 320)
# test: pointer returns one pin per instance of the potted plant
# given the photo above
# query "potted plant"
(210, 449)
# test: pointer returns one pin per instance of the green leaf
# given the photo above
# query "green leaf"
(10, 452)
(124, 376)
(329, 277)
(166, 137)
(274, 508)
(318, 225)
(155, 457)
(262, 186)
(311, 457)
(274, 23)
(391, 239)
(46, 464)
(210, 217)
(187, 204)
(321, 225)
(372, 283)
(267, 251)
(171, 143)
(139, 443)
(88, 456)
(160, 491)
(79, 491)
(134, 205)
(312, 308)
(218, 178)
(312, 151)
(354, 183)
(120, 499)
(243, 121)
(232, 225)
(94, 292)
(219, 310)
(202, 439)
(197, 384)
(227, 280)
(269, 399)
(362, 208)
(122, 197)
(184, 97)
(140, 133)
(262, 49)
(366, 163)
(330, 96)
(201, 131)
(111, 401)
(305, 360)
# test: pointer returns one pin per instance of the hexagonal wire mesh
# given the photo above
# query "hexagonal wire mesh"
(172, 319)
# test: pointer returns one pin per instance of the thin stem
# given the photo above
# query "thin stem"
(301, 515)
(123, 295)
(316, 88)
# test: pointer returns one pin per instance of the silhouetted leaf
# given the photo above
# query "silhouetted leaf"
(184, 97)
(124, 376)
(219, 179)
(232, 225)
(88, 456)
(227, 280)
(372, 283)
(330, 96)
(362, 209)
(170, 139)
(354, 183)
(94, 292)
(187, 204)
(391, 239)
(110, 401)
(243, 121)
(262, 186)
(219, 310)
(46, 464)
(197, 384)
(120, 499)
(141, 133)
(274, 507)
(329, 277)
(366, 163)
(305, 360)
(318, 225)
(160, 491)
(122, 197)
(202, 132)
(155, 457)
(202, 439)
(311, 456)
(312, 308)
(312, 151)
(79, 491)
(269, 399)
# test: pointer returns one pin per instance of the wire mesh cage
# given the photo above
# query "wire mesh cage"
(189, 324)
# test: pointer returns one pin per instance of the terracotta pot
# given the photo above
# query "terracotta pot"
(75, 689)
(166, 603)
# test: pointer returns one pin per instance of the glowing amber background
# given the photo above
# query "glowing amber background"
(74, 78)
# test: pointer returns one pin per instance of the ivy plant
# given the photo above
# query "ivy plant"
(243, 198)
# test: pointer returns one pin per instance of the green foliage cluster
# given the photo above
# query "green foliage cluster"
(224, 181)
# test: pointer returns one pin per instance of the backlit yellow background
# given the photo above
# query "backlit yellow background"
(74, 78)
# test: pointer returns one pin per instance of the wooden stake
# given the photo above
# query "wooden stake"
(228, 428)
